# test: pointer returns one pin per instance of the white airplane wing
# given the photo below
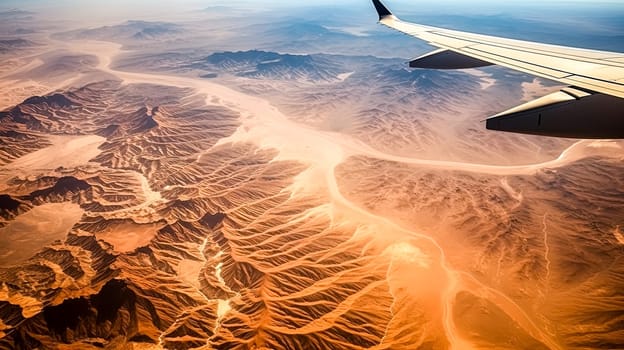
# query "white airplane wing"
(592, 107)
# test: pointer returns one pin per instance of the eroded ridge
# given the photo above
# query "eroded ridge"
(186, 244)
(535, 251)
(43, 298)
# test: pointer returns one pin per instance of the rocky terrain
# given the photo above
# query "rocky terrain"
(196, 253)
(10, 45)
(547, 240)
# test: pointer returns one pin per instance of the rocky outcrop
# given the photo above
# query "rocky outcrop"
(66, 189)
(54, 100)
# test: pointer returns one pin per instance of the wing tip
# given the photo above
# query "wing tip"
(382, 10)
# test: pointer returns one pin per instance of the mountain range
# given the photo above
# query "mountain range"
(129, 30)
(271, 65)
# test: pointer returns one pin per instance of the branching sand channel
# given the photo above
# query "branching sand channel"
(280, 251)
(416, 259)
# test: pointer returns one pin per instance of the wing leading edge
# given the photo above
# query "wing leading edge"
(593, 107)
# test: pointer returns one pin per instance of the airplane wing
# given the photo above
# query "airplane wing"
(592, 107)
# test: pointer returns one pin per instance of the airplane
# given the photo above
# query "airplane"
(592, 107)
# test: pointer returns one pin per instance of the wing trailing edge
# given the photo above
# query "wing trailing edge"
(570, 113)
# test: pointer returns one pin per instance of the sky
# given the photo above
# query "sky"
(103, 7)
(94, 13)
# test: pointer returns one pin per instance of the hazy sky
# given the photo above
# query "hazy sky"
(109, 6)
(98, 12)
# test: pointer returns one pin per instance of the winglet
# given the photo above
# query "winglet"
(382, 10)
